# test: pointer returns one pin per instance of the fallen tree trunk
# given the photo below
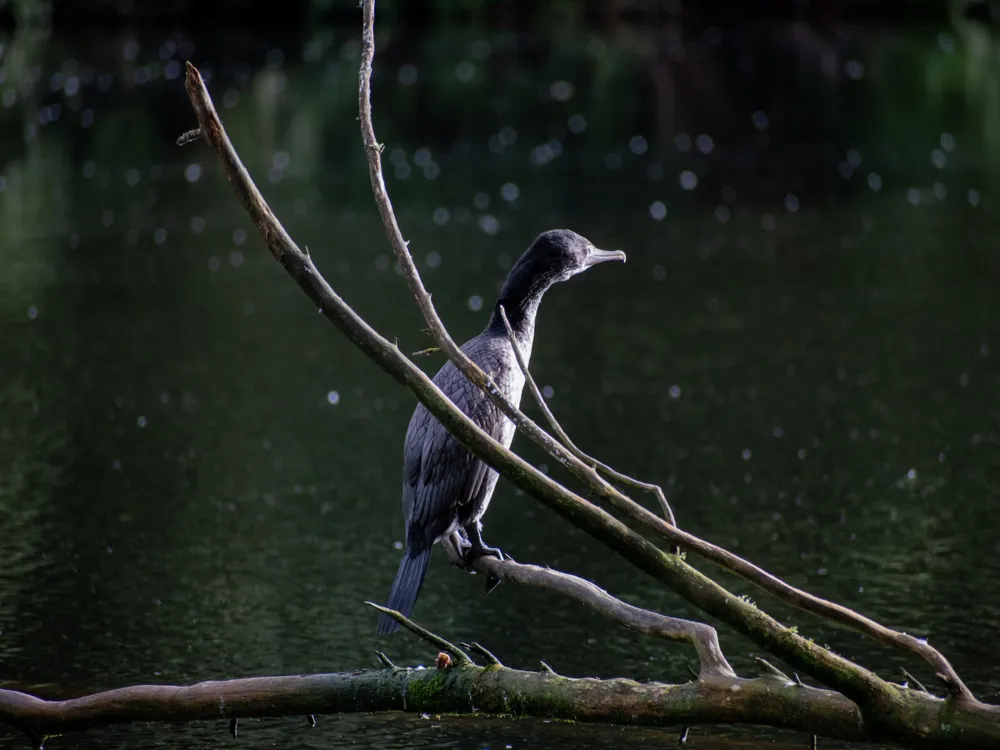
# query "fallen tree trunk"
(488, 691)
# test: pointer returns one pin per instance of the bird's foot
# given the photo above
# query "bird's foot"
(474, 551)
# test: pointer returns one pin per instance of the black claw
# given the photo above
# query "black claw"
(492, 581)
(682, 740)
(234, 727)
(312, 720)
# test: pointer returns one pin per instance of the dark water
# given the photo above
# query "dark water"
(200, 477)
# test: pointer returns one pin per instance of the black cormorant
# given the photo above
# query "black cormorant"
(445, 488)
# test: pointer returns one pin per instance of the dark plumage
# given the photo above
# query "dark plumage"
(446, 490)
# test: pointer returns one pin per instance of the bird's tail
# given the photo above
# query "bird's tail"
(406, 588)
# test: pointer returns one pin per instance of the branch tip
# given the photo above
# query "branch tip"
(478, 648)
(910, 678)
(384, 660)
(189, 137)
(546, 668)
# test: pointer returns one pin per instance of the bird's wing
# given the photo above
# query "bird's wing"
(440, 475)
(501, 429)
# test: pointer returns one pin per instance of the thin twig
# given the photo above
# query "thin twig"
(635, 512)
(770, 670)
(462, 658)
(384, 660)
(478, 648)
(668, 513)
(913, 679)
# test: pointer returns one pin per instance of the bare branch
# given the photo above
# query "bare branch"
(668, 513)
(462, 658)
(703, 637)
(635, 512)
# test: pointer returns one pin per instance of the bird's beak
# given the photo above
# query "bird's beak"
(601, 256)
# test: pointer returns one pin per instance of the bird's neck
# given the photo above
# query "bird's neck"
(520, 296)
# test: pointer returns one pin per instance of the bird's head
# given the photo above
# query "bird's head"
(561, 253)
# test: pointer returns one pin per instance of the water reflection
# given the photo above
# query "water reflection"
(201, 478)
